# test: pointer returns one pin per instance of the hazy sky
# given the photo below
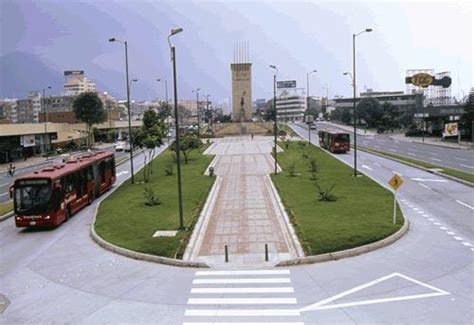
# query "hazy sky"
(296, 36)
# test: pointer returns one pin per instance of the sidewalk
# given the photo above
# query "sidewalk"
(433, 141)
(243, 210)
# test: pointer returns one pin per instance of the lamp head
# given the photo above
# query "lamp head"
(345, 73)
(158, 80)
(49, 87)
(314, 71)
(112, 39)
(272, 66)
(368, 30)
(134, 80)
(175, 31)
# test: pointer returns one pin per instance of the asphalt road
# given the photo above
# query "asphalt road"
(62, 276)
(461, 159)
(6, 181)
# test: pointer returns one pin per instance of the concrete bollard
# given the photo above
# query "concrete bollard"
(226, 253)
(266, 252)
(211, 171)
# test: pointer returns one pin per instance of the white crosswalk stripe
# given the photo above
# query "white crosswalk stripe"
(246, 297)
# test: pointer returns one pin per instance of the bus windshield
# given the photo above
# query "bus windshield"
(32, 196)
(343, 138)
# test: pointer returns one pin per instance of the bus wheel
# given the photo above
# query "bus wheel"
(89, 199)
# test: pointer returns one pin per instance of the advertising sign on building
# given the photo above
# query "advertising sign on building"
(450, 130)
(68, 73)
(27, 141)
(286, 84)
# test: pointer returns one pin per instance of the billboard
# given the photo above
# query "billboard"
(450, 130)
(286, 84)
(68, 73)
(28, 141)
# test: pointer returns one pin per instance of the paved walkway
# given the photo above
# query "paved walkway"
(243, 210)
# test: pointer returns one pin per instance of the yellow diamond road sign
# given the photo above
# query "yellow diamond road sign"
(395, 182)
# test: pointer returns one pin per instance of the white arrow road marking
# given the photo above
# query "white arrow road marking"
(323, 304)
(429, 180)
(366, 167)
(427, 187)
(122, 173)
(465, 204)
(435, 159)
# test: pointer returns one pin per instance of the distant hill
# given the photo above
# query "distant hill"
(20, 72)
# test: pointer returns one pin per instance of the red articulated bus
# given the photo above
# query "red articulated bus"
(334, 141)
(52, 195)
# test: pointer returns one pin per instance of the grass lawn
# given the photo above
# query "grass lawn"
(289, 131)
(124, 219)
(445, 170)
(6, 207)
(362, 213)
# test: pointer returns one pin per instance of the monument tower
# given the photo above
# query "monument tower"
(241, 84)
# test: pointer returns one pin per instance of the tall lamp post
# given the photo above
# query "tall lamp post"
(166, 88)
(275, 127)
(307, 87)
(45, 120)
(197, 111)
(367, 30)
(207, 110)
(173, 32)
(128, 104)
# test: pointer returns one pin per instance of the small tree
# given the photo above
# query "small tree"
(88, 108)
(187, 144)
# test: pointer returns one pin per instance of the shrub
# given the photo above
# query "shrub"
(169, 170)
(151, 199)
(326, 195)
(313, 177)
(287, 144)
(292, 169)
(313, 164)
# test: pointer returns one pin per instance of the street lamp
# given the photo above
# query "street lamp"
(367, 30)
(275, 127)
(307, 87)
(209, 120)
(166, 88)
(175, 31)
(45, 120)
(128, 103)
(197, 111)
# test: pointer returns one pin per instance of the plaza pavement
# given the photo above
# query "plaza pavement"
(243, 210)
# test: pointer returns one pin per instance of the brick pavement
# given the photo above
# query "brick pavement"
(245, 213)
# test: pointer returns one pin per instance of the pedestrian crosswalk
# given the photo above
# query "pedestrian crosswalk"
(242, 297)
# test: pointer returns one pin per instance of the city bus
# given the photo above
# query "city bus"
(50, 196)
(334, 141)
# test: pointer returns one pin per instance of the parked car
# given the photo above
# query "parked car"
(120, 146)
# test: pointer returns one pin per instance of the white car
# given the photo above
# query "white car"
(120, 146)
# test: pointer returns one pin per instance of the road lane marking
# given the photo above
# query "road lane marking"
(467, 244)
(465, 204)
(241, 301)
(411, 154)
(450, 233)
(4, 194)
(431, 219)
(122, 173)
(437, 223)
(240, 280)
(323, 304)
(472, 167)
(243, 272)
(428, 180)
(420, 212)
(435, 159)
(4, 184)
(366, 167)
(241, 312)
(244, 290)
(242, 323)
(443, 228)
(459, 158)
(397, 173)
(458, 238)
(425, 186)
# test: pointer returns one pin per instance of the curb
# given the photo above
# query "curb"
(132, 254)
(419, 167)
(350, 252)
(6, 216)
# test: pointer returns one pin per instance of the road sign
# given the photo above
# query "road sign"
(395, 182)
(286, 84)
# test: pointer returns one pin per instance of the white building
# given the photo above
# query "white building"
(291, 105)
(76, 83)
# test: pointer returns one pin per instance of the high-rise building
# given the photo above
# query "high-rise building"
(291, 104)
(76, 83)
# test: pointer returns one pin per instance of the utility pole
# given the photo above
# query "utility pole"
(275, 125)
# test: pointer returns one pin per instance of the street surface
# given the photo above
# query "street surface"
(461, 159)
(61, 276)
(6, 181)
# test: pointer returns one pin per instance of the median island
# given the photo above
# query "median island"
(130, 216)
(329, 208)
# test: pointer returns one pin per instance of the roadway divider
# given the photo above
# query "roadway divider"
(432, 171)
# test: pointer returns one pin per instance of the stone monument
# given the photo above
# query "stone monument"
(241, 84)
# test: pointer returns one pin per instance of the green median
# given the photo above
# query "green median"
(6, 207)
(361, 213)
(469, 177)
(125, 220)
